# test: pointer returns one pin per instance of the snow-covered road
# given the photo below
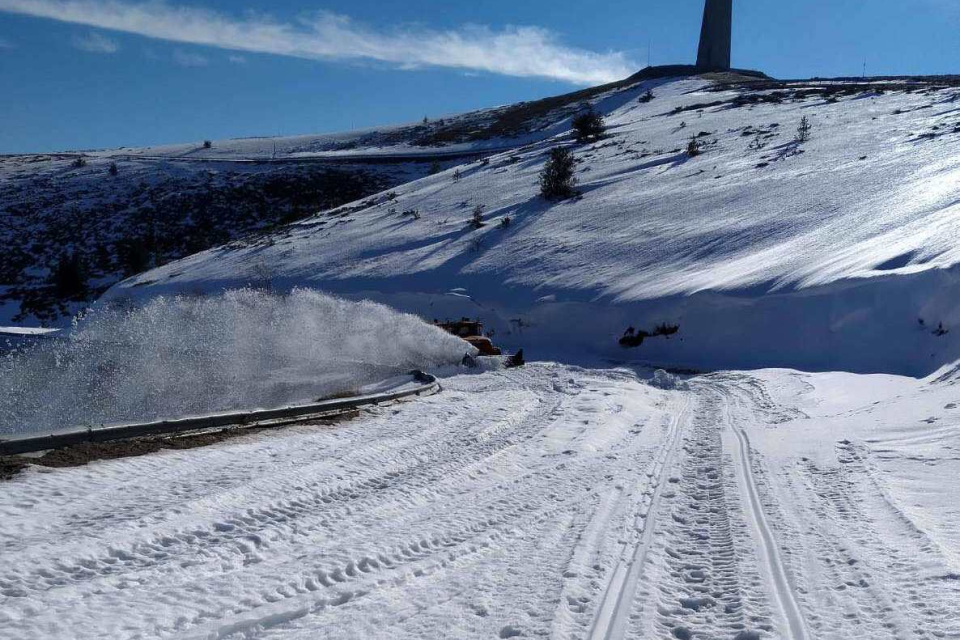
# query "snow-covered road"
(545, 502)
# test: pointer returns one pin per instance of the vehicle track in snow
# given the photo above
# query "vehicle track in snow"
(468, 506)
(703, 580)
(772, 562)
(546, 502)
(851, 562)
(614, 608)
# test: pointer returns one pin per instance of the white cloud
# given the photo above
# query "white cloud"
(187, 59)
(513, 51)
(96, 43)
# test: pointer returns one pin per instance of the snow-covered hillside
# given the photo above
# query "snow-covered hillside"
(837, 253)
(102, 215)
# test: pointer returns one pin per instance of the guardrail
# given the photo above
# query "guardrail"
(262, 418)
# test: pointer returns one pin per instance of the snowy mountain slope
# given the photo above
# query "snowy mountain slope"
(502, 127)
(835, 253)
(166, 202)
(550, 501)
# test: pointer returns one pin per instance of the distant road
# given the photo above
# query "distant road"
(353, 158)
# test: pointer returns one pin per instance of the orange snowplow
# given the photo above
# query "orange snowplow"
(472, 332)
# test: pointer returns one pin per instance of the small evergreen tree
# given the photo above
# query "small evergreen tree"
(207, 144)
(68, 277)
(557, 180)
(694, 148)
(647, 97)
(803, 131)
(113, 170)
(588, 125)
(133, 256)
(476, 220)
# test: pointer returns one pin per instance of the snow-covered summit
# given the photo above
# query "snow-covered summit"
(838, 252)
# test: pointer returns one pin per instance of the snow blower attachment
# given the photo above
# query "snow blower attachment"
(472, 332)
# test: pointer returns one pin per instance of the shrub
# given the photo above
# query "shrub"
(207, 144)
(69, 277)
(476, 219)
(647, 97)
(457, 175)
(588, 125)
(557, 180)
(79, 162)
(133, 256)
(413, 213)
(803, 131)
(694, 148)
(113, 170)
(505, 222)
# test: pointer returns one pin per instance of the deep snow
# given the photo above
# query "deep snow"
(838, 253)
(552, 501)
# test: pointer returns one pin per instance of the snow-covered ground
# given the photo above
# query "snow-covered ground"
(557, 500)
(838, 253)
(552, 501)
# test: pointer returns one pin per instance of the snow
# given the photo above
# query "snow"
(846, 242)
(190, 356)
(779, 493)
(551, 501)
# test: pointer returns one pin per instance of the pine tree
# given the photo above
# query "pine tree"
(557, 180)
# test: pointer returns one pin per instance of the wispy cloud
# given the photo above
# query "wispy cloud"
(96, 43)
(513, 51)
(187, 59)
(235, 59)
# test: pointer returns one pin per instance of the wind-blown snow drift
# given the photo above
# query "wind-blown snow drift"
(181, 356)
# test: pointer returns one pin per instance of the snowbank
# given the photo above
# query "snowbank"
(182, 356)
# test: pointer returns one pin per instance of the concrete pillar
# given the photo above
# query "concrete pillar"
(716, 35)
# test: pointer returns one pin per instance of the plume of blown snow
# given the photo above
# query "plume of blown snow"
(185, 356)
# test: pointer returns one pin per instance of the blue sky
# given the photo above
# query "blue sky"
(80, 74)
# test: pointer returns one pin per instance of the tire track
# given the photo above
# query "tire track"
(784, 593)
(735, 390)
(614, 609)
